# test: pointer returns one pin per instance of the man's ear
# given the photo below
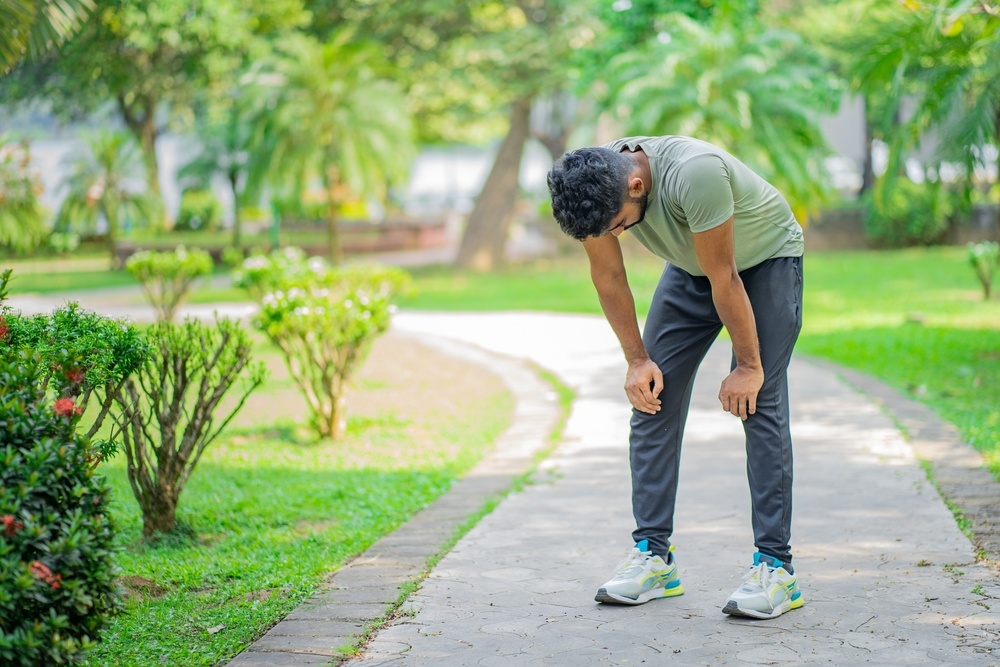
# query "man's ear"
(636, 188)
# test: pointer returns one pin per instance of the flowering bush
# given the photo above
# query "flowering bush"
(56, 572)
(167, 277)
(323, 320)
(83, 357)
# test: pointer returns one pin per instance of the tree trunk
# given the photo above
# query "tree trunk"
(485, 236)
(332, 229)
(159, 514)
(140, 118)
(234, 186)
(868, 170)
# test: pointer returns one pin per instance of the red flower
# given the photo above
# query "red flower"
(4, 327)
(75, 375)
(42, 571)
(11, 525)
(65, 407)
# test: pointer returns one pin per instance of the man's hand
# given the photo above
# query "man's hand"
(739, 391)
(643, 384)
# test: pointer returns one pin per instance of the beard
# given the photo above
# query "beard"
(642, 202)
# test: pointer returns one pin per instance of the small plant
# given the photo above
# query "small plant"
(167, 411)
(57, 584)
(985, 260)
(64, 243)
(167, 277)
(199, 211)
(908, 213)
(324, 321)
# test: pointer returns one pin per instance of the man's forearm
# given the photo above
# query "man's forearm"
(733, 305)
(619, 309)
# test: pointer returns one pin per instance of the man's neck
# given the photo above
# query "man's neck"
(641, 167)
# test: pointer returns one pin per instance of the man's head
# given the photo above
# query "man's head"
(591, 196)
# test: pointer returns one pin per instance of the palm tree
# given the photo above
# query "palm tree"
(943, 59)
(22, 219)
(102, 187)
(754, 91)
(226, 150)
(32, 27)
(330, 116)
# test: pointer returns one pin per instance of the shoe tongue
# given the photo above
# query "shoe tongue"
(643, 546)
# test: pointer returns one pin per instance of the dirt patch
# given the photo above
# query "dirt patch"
(400, 382)
(141, 588)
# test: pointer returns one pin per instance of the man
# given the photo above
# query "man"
(734, 259)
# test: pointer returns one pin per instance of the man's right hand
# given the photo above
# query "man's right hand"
(643, 384)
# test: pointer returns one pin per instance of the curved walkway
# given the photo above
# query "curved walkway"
(889, 578)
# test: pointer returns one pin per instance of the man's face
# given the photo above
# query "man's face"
(631, 214)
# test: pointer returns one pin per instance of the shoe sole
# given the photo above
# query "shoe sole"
(610, 598)
(733, 609)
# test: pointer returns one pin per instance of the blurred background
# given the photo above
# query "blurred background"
(398, 125)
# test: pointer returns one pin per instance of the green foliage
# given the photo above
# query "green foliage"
(324, 321)
(22, 218)
(984, 257)
(57, 584)
(909, 213)
(167, 277)
(101, 188)
(755, 91)
(64, 243)
(81, 355)
(167, 411)
(330, 115)
(923, 66)
(32, 27)
(199, 210)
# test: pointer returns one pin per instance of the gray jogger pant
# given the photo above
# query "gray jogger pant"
(681, 326)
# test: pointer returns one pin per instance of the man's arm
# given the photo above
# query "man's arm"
(643, 381)
(716, 256)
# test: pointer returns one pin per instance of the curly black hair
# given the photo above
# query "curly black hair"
(588, 188)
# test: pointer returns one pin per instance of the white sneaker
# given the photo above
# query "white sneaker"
(768, 591)
(641, 577)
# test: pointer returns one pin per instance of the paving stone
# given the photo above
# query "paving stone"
(272, 659)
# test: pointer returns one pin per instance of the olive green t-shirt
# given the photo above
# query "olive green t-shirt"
(696, 187)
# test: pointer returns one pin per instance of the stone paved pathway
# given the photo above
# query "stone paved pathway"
(889, 579)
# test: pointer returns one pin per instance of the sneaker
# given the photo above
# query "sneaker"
(768, 591)
(642, 577)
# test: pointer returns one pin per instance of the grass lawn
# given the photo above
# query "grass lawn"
(269, 513)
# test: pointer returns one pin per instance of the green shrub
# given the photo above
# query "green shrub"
(63, 243)
(985, 260)
(200, 210)
(323, 320)
(57, 583)
(167, 277)
(908, 213)
(80, 355)
(167, 411)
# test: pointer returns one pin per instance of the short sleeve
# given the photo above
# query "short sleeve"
(704, 192)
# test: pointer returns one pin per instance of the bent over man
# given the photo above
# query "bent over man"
(734, 259)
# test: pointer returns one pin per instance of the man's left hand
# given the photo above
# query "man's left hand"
(738, 393)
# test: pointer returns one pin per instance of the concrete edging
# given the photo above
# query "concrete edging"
(364, 589)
